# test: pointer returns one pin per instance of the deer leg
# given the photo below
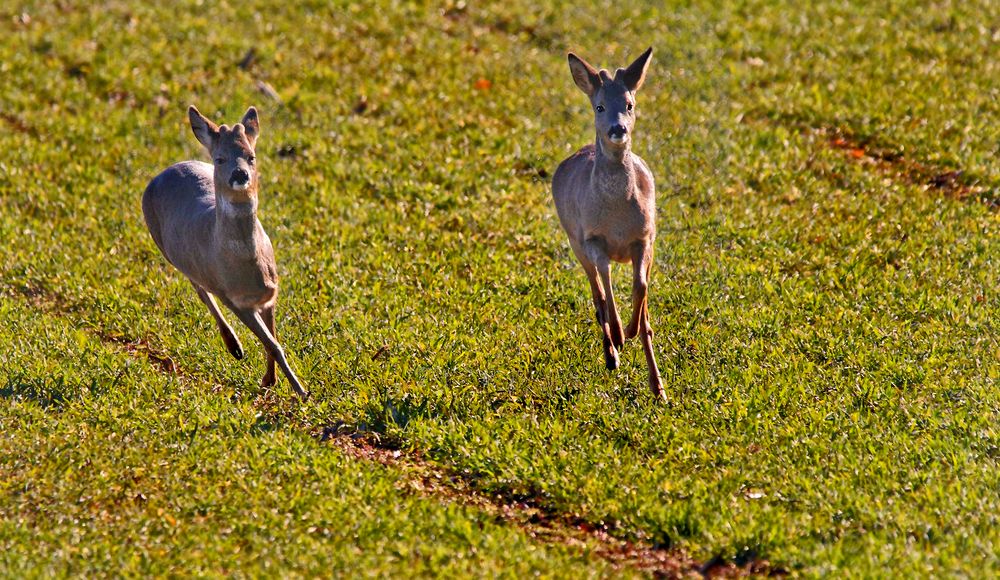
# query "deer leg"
(601, 312)
(600, 305)
(603, 264)
(255, 323)
(228, 336)
(642, 259)
(267, 314)
(655, 384)
(611, 325)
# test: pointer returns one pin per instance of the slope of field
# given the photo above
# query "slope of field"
(823, 296)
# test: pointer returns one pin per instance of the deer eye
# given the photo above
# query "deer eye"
(629, 106)
(600, 108)
(220, 160)
(251, 159)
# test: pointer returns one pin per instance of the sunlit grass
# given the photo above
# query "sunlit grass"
(824, 325)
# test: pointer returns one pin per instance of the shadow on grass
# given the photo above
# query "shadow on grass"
(50, 394)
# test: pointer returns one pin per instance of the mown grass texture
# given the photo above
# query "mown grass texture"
(823, 322)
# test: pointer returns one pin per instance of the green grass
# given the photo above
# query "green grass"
(158, 478)
(824, 325)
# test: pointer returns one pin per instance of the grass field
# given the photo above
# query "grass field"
(823, 295)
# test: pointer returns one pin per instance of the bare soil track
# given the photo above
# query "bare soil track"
(422, 477)
(887, 159)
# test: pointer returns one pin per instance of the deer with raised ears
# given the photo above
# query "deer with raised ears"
(203, 217)
(605, 199)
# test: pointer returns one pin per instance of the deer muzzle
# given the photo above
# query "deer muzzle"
(239, 180)
(618, 134)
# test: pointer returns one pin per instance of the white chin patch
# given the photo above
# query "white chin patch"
(239, 186)
(617, 139)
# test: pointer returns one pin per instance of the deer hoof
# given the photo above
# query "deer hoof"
(611, 359)
(233, 345)
(656, 386)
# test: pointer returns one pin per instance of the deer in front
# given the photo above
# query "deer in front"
(605, 198)
(203, 217)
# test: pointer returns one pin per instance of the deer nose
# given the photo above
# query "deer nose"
(239, 177)
(617, 131)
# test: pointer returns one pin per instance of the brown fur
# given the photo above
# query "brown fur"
(204, 220)
(606, 201)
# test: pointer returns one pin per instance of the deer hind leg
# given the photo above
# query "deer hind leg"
(228, 336)
(600, 304)
(642, 264)
(601, 313)
(270, 378)
(655, 383)
(252, 319)
(599, 274)
(602, 262)
(642, 261)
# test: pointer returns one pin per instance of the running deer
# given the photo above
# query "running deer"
(204, 220)
(605, 199)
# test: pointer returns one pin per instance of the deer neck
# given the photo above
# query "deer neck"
(236, 226)
(614, 171)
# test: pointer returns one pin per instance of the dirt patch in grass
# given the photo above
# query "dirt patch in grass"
(140, 348)
(532, 516)
(885, 158)
(528, 513)
(51, 302)
(18, 124)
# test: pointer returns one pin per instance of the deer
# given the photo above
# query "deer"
(203, 218)
(606, 201)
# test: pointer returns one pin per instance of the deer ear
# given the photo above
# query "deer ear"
(635, 74)
(204, 130)
(251, 124)
(583, 74)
